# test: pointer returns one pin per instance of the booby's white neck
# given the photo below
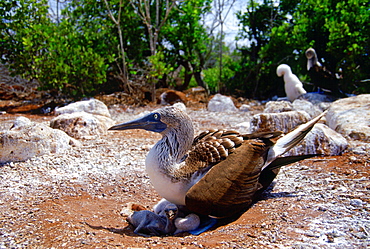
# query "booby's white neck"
(165, 158)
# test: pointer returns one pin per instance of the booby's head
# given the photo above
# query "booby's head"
(311, 58)
(310, 53)
(283, 69)
(159, 121)
(171, 211)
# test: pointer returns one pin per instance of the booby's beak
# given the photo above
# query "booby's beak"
(150, 122)
(171, 213)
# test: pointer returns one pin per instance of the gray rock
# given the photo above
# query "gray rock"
(92, 106)
(21, 122)
(180, 105)
(278, 106)
(244, 108)
(304, 105)
(317, 98)
(320, 140)
(285, 121)
(82, 124)
(351, 117)
(27, 139)
(359, 147)
(221, 103)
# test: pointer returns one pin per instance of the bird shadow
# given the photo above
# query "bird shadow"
(268, 194)
(127, 230)
(265, 195)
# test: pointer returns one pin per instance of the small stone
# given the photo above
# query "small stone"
(244, 108)
(356, 202)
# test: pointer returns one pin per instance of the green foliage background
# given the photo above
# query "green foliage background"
(78, 54)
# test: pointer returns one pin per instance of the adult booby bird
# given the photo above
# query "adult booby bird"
(321, 77)
(293, 86)
(217, 173)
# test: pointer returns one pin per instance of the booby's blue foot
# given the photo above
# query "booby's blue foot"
(205, 224)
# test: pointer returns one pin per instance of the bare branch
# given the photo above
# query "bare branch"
(110, 13)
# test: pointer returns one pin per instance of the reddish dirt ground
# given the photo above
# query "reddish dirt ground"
(90, 221)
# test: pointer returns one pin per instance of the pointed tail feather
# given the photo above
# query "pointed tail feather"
(291, 139)
(282, 161)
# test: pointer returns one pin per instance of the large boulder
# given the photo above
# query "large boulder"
(221, 103)
(306, 106)
(92, 106)
(284, 121)
(320, 140)
(351, 117)
(278, 106)
(26, 139)
(82, 124)
(83, 119)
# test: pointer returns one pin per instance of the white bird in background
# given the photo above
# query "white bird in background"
(293, 86)
(218, 173)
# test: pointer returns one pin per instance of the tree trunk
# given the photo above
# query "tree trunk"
(200, 82)
(188, 75)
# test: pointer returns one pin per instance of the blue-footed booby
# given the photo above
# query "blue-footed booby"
(218, 173)
(293, 86)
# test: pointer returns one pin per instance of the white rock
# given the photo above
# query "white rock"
(359, 147)
(285, 121)
(244, 108)
(82, 124)
(304, 105)
(221, 103)
(320, 140)
(245, 126)
(351, 117)
(180, 105)
(27, 139)
(21, 122)
(92, 106)
(278, 106)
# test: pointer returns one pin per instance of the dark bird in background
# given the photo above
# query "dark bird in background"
(218, 173)
(321, 77)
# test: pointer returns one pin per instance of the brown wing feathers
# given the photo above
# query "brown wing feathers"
(230, 185)
(237, 161)
(213, 146)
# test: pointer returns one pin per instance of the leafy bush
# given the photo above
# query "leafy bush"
(59, 56)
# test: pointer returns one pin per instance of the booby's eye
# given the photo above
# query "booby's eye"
(156, 116)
